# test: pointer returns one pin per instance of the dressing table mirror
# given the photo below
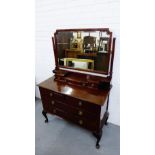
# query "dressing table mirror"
(79, 90)
(86, 50)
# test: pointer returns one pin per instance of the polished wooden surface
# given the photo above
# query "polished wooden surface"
(97, 97)
(82, 99)
(77, 111)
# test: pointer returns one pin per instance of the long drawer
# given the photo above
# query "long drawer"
(80, 112)
(93, 108)
(91, 125)
(48, 95)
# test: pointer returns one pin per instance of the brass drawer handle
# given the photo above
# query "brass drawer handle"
(80, 122)
(83, 84)
(80, 113)
(54, 110)
(53, 102)
(80, 103)
(92, 84)
(51, 94)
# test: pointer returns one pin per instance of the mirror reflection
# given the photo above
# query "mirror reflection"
(83, 50)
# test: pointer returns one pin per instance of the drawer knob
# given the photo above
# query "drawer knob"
(92, 84)
(51, 94)
(80, 113)
(83, 84)
(53, 102)
(54, 110)
(80, 122)
(80, 103)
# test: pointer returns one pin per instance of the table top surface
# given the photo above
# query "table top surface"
(95, 96)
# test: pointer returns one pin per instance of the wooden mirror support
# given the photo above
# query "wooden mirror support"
(83, 78)
(80, 96)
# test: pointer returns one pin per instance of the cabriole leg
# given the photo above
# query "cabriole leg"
(98, 136)
(44, 114)
(107, 116)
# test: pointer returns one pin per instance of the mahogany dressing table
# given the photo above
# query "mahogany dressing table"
(75, 93)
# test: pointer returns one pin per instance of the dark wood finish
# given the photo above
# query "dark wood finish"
(97, 97)
(80, 106)
(98, 136)
(88, 81)
(85, 30)
(55, 51)
(79, 98)
(44, 114)
(109, 53)
(112, 57)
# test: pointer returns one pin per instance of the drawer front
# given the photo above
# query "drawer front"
(56, 96)
(48, 94)
(80, 112)
(91, 125)
(92, 108)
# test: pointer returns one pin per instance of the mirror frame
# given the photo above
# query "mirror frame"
(110, 47)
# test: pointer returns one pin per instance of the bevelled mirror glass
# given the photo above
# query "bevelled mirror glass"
(84, 50)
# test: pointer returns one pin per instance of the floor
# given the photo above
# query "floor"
(59, 137)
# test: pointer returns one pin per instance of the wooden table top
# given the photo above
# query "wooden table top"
(95, 96)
